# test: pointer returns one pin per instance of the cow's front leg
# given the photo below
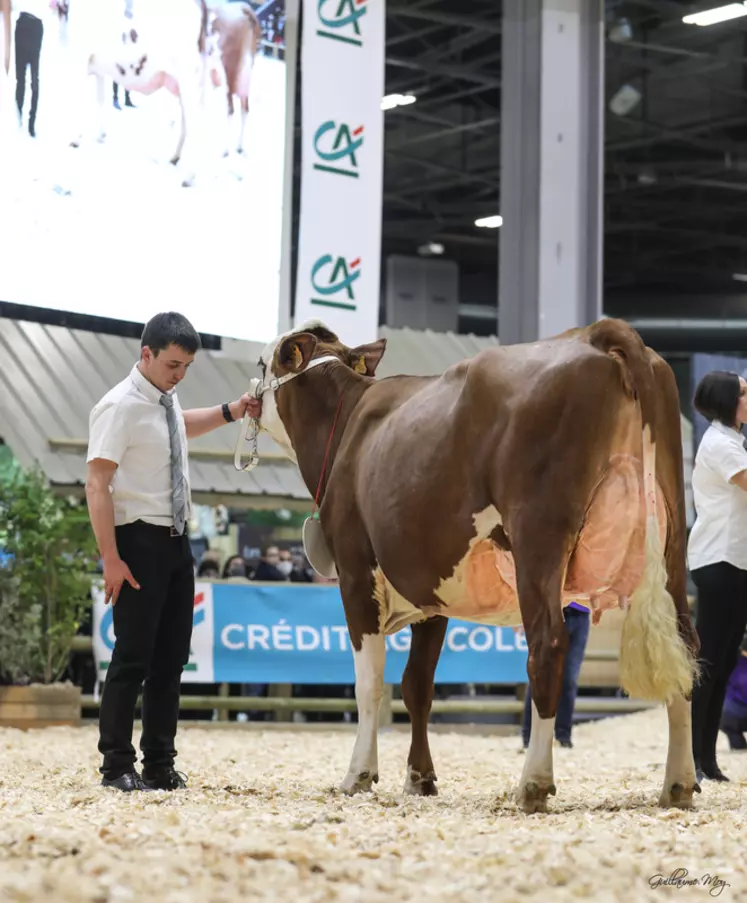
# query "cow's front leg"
(369, 685)
(680, 782)
(182, 131)
(100, 103)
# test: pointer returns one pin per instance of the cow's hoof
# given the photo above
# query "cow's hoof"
(358, 783)
(175, 160)
(679, 796)
(188, 182)
(102, 138)
(240, 151)
(421, 785)
(75, 144)
(226, 153)
(532, 796)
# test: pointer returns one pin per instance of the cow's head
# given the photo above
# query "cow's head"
(291, 354)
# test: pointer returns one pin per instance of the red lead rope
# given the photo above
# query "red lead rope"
(326, 458)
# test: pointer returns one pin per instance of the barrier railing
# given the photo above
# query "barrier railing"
(281, 635)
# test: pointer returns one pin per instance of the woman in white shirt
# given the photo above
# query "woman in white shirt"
(717, 554)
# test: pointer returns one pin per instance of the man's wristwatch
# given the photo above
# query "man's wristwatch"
(226, 413)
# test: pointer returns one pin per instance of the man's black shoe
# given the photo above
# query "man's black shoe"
(166, 778)
(127, 782)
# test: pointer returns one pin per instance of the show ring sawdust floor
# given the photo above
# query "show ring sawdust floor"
(262, 821)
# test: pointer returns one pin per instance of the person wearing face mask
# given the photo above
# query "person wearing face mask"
(285, 563)
(717, 555)
(267, 569)
(235, 569)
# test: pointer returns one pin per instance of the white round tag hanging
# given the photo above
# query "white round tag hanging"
(317, 550)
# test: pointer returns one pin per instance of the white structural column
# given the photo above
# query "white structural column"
(552, 164)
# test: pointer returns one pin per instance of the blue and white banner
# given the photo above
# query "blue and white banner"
(291, 633)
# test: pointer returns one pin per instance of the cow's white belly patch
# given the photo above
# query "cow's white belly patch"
(458, 592)
(395, 612)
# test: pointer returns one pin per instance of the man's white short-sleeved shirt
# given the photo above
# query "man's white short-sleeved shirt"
(128, 426)
(720, 529)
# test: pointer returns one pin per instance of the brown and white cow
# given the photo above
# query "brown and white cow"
(152, 47)
(526, 476)
(234, 34)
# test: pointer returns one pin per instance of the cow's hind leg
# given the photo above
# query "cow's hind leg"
(229, 122)
(417, 692)
(101, 104)
(244, 115)
(547, 639)
(182, 132)
(369, 686)
(680, 782)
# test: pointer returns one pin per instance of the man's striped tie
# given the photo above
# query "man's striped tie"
(178, 483)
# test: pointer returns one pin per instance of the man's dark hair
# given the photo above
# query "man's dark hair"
(717, 397)
(167, 329)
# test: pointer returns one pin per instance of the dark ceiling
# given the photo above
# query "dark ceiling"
(675, 166)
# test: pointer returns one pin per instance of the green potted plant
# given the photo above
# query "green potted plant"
(47, 551)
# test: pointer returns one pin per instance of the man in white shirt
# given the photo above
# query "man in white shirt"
(139, 502)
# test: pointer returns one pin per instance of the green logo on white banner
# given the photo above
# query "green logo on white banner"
(333, 279)
(340, 20)
(336, 146)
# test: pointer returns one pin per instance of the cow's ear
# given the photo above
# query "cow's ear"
(365, 358)
(295, 352)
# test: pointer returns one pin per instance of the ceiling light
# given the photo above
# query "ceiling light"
(397, 100)
(716, 15)
(431, 249)
(739, 277)
(625, 100)
(621, 32)
(490, 222)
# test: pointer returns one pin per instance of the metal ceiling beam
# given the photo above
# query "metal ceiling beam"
(446, 69)
(413, 35)
(439, 167)
(708, 125)
(491, 26)
(451, 130)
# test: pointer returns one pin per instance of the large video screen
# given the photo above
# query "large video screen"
(97, 216)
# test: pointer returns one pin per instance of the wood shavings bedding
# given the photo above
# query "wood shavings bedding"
(262, 820)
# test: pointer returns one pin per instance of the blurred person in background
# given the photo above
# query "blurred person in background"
(268, 569)
(235, 568)
(734, 715)
(285, 563)
(29, 34)
(717, 555)
(208, 569)
(302, 571)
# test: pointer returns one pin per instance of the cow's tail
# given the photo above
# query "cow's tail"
(256, 27)
(655, 662)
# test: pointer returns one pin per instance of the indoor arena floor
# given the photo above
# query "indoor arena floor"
(262, 821)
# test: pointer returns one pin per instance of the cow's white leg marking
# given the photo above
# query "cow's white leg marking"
(537, 778)
(369, 686)
(679, 779)
(101, 105)
(183, 132)
(242, 127)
